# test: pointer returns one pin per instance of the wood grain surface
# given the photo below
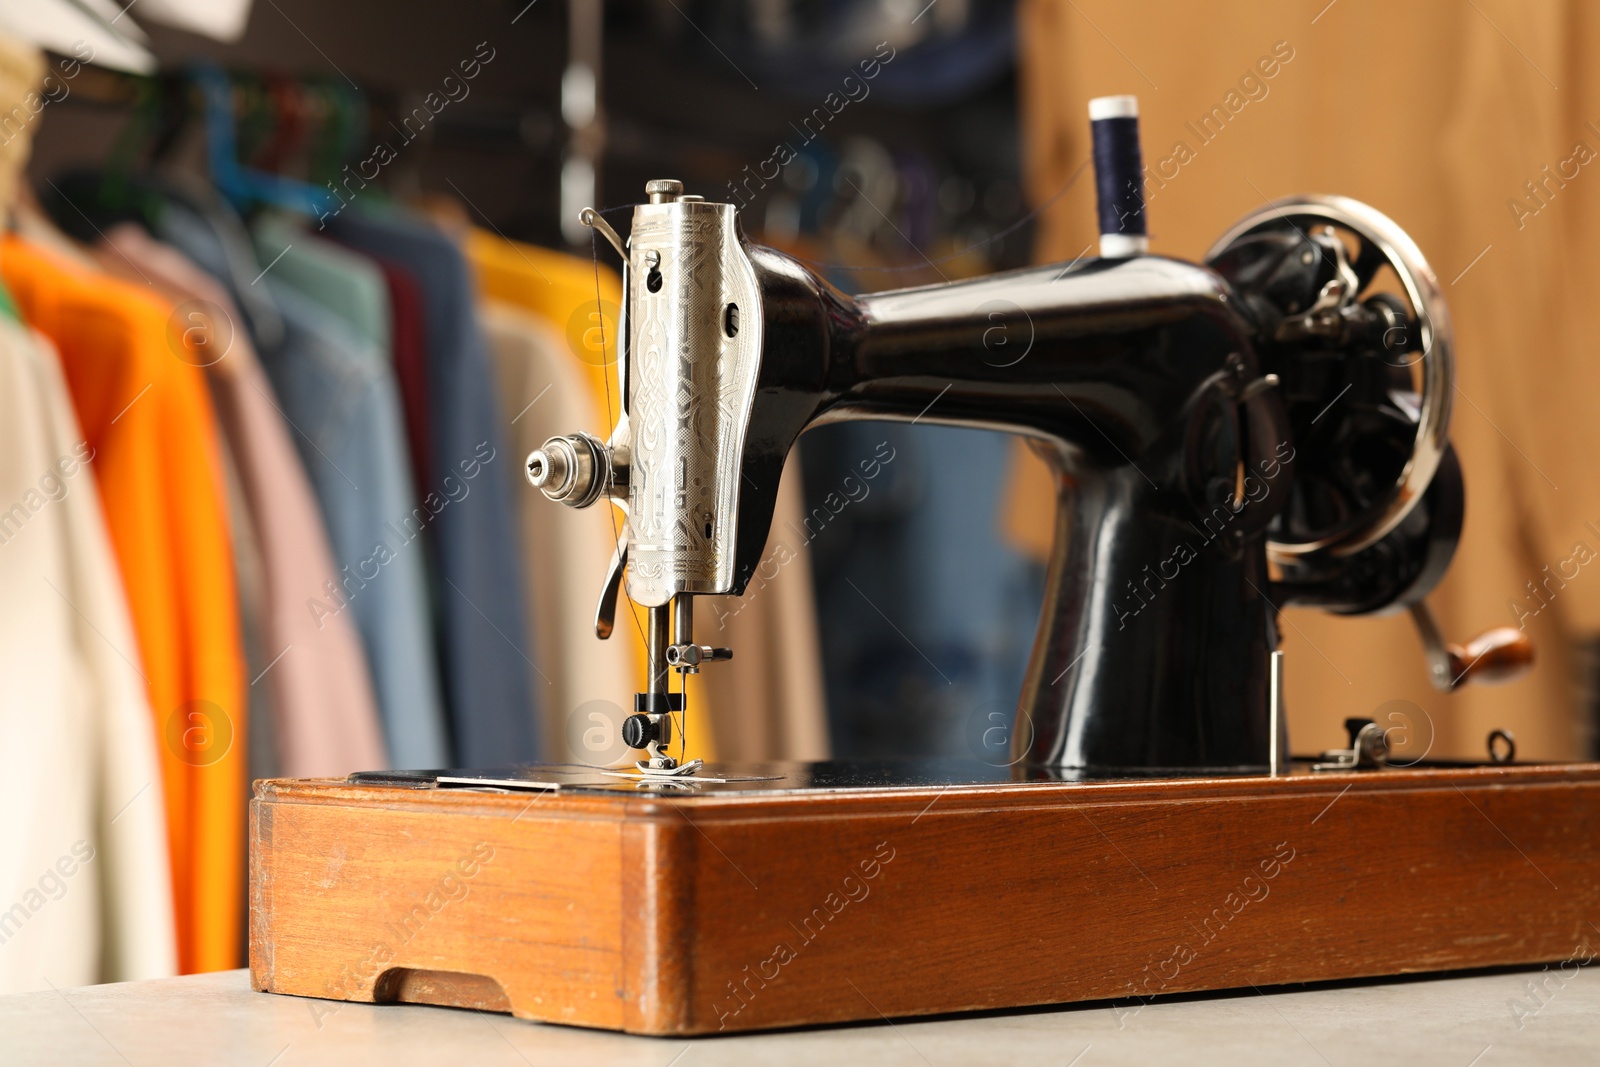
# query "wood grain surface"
(693, 914)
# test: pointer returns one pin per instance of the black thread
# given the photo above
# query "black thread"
(1118, 176)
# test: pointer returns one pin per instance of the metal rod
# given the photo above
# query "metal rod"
(593, 219)
(582, 112)
(683, 619)
(1433, 647)
(1275, 719)
(660, 638)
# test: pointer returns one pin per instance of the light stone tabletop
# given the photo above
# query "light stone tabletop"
(1478, 1020)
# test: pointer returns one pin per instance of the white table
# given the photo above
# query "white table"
(217, 1019)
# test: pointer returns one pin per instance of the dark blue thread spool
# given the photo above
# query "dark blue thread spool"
(1118, 175)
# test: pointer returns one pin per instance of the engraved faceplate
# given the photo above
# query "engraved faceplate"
(690, 394)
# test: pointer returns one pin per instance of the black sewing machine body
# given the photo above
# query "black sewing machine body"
(1154, 637)
(1272, 404)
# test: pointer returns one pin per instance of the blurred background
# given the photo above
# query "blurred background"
(292, 287)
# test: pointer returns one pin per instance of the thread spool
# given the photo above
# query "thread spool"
(1118, 176)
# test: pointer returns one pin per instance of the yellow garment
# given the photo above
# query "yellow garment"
(1439, 114)
(144, 410)
(560, 289)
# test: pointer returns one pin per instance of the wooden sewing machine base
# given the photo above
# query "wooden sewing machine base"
(826, 897)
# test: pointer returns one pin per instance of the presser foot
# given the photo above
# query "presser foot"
(650, 728)
(664, 766)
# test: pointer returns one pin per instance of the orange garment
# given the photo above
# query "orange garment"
(146, 414)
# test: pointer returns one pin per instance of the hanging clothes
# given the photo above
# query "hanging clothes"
(339, 399)
(561, 289)
(493, 687)
(85, 885)
(340, 396)
(349, 286)
(322, 701)
(148, 418)
(261, 742)
(379, 301)
(249, 572)
(194, 219)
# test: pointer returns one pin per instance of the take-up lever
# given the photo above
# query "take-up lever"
(1494, 656)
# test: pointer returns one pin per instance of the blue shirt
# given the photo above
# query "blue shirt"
(342, 402)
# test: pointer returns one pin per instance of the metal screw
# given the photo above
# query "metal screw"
(663, 190)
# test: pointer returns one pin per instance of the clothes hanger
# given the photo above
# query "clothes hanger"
(354, 115)
(255, 116)
(324, 135)
(291, 112)
(149, 131)
(246, 187)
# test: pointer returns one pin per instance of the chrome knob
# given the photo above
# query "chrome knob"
(663, 190)
(548, 468)
(571, 470)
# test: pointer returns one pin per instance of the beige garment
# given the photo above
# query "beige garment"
(85, 888)
(325, 715)
(1438, 114)
(769, 701)
(765, 704)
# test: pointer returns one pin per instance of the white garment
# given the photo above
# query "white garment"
(87, 34)
(224, 20)
(85, 884)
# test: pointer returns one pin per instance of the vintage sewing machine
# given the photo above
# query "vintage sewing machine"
(1267, 428)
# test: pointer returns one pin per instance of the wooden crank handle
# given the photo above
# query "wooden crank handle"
(1494, 656)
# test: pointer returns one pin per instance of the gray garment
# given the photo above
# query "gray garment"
(341, 399)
